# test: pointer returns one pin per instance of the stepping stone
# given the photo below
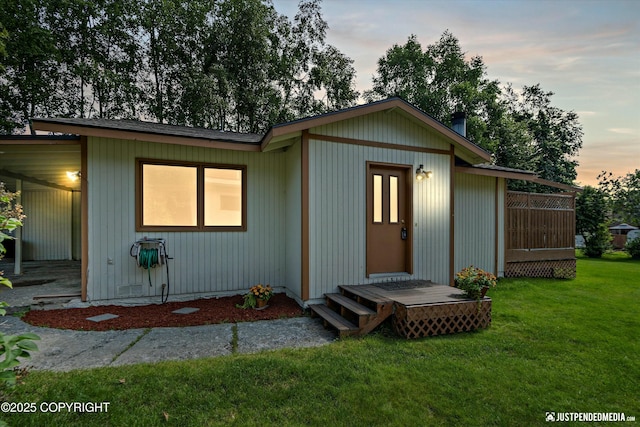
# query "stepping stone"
(186, 310)
(102, 317)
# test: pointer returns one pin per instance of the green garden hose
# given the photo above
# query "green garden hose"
(148, 259)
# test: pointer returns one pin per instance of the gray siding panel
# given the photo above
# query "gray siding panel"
(389, 127)
(293, 218)
(475, 222)
(46, 232)
(204, 262)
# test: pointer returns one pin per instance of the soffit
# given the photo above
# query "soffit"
(39, 165)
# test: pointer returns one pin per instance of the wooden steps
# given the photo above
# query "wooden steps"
(353, 311)
(330, 317)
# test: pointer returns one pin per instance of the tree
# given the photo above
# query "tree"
(440, 81)
(226, 64)
(520, 128)
(30, 86)
(623, 194)
(556, 134)
(272, 68)
(591, 220)
(3, 45)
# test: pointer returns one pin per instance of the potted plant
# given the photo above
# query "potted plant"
(257, 296)
(474, 282)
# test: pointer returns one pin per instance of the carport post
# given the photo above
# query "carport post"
(17, 265)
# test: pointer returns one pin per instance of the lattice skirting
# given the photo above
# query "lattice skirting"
(562, 269)
(439, 319)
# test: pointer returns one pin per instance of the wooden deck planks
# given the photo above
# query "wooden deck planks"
(431, 293)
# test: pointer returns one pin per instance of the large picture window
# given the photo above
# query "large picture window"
(189, 196)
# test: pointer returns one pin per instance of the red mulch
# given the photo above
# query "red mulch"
(214, 310)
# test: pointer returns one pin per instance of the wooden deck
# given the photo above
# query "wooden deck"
(418, 308)
(412, 292)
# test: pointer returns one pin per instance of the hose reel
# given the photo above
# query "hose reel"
(151, 253)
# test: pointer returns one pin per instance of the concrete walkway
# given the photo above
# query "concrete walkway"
(66, 350)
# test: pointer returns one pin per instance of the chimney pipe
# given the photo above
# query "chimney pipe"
(459, 123)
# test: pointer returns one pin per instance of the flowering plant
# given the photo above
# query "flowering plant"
(256, 293)
(472, 280)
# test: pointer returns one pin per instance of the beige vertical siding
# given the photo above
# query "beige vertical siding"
(46, 233)
(338, 200)
(475, 222)
(203, 261)
(293, 224)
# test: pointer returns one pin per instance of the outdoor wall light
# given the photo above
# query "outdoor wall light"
(73, 176)
(422, 174)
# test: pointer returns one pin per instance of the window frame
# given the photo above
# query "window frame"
(200, 168)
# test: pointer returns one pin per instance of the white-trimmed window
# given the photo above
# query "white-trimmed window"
(182, 196)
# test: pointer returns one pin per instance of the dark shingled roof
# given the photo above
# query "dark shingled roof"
(160, 129)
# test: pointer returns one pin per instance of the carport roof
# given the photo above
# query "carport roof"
(43, 160)
(152, 132)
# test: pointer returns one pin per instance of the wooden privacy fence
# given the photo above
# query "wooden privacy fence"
(540, 235)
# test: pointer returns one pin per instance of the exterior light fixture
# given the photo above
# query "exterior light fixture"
(421, 174)
(73, 176)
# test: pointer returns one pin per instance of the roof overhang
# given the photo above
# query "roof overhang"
(163, 134)
(508, 173)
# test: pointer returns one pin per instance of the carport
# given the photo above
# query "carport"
(47, 170)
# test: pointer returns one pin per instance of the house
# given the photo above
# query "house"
(619, 234)
(372, 193)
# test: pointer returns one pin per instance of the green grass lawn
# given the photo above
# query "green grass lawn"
(554, 345)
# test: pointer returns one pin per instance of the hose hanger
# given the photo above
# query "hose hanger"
(151, 253)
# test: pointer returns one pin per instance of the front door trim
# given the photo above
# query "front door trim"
(408, 206)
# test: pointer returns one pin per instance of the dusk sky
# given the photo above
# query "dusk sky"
(586, 52)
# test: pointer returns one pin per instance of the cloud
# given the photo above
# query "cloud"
(624, 131)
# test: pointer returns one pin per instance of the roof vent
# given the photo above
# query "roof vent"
(459, 123)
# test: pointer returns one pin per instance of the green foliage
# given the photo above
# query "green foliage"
(591, 210)
(632, 247)
(10, 218)
(13, 347)
(597, 243)
(440, 81)
(472, 280)
(555, 135)
(257, 292)
(231, 65)
(31, 83)
(3, 50)
(623, 194)
(564, 273)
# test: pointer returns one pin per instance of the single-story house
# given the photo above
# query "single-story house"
(619, 233)
(375, 192)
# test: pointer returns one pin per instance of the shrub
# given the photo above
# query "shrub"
(597, 243)
(12, 347)
(633, 248)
